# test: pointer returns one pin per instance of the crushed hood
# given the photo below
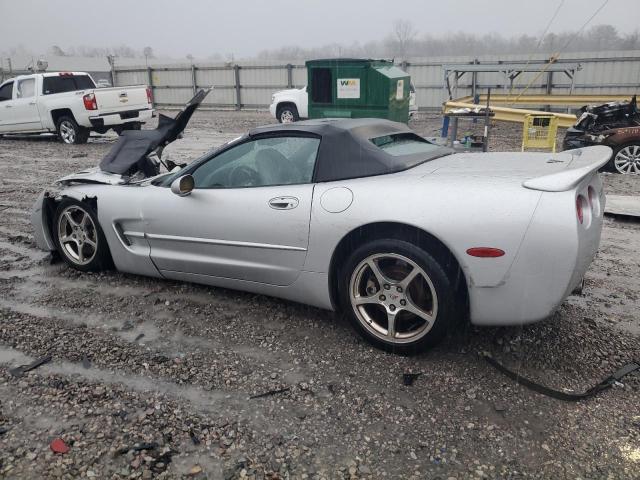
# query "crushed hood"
(93, 175)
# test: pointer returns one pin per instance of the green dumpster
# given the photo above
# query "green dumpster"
(357, 88)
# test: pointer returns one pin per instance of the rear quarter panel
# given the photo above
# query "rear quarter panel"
(462, 212)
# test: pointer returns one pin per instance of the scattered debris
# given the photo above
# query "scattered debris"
(79, 155)
(58, 446)
(86, 363)
(22, 369)
(409, 378)
(499, 407)
(4, 430)
(193, 436)
(137, 448)
(139, 337)
(270, 392)
(195, 470)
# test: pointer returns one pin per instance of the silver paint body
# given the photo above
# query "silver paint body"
(522, 203)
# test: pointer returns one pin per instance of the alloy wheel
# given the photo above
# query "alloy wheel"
(393, 298)
(627, 160)
(286, 116)
(77, 235)
(67, 132)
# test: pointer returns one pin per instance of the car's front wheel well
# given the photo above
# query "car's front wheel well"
(399, 231)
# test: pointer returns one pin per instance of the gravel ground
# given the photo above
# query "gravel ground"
(154, 379)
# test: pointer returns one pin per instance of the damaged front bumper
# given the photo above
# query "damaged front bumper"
(41, 216)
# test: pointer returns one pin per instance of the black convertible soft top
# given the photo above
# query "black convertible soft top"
(346, 150)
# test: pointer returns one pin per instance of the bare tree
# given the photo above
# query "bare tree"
(56, 51)
(403, 35)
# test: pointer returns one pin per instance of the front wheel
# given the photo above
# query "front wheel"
(626, 159)
(70, 132)
(287, 114)
(79, 238)
(397, 296)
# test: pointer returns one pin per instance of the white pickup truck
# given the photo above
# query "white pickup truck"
(70, 104)
(292, 104)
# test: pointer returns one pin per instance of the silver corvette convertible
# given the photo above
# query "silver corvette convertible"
(361, 216)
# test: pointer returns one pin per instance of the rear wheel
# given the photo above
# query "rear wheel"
(70, 132)
(287, 113)
(626, 159)
(79, 238)
(397, 296)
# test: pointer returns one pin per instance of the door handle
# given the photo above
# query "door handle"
(284, 203)
(8, 106)
(32, 103)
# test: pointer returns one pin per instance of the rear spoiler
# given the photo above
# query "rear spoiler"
(584, 161)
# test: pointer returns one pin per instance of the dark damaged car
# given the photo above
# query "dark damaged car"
(615, 125)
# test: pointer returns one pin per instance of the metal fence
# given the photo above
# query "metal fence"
(250, 84)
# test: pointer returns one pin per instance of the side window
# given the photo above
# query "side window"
(84, 82)
(260, 163)
(6, 91)
(321, 84)
(26, 88)
(59, 84)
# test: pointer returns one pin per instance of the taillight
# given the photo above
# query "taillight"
(90, 101)
(580, 201)
(149, 95)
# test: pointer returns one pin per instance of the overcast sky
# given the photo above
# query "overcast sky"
(245, 27)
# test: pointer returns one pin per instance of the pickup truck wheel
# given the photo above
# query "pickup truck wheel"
(287, 114)
(70, 132)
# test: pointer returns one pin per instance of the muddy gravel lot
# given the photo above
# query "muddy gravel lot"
(158, 379)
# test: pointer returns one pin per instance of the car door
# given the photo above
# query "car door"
(24, 114)
(247, 217)
(6, 106)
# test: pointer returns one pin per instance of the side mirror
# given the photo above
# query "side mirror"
(182, 186)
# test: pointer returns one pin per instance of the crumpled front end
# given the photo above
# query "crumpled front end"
(41, 217)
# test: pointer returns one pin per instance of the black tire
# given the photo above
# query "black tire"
(611, 166)
(443, 307)
(70, 132)
(101, 260)
(287, 113)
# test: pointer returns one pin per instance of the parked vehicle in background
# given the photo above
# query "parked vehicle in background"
(616, 125)
(292, 104)
(70, 104)
(413, 107)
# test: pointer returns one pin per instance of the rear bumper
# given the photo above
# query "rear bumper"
(120, 118)
(551, 262)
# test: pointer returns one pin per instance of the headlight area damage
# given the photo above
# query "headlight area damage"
(136, 156)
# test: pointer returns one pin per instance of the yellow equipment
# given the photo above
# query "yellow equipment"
(539, 131)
